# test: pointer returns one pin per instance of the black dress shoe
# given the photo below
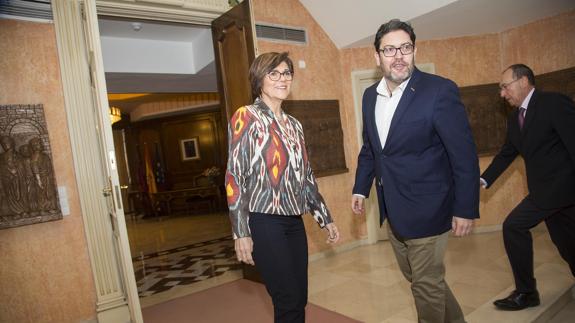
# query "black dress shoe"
(518, 301)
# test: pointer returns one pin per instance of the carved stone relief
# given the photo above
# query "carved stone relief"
(28, 192)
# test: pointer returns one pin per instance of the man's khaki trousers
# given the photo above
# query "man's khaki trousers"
(421, 262)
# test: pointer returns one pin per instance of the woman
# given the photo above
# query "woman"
(269, 185)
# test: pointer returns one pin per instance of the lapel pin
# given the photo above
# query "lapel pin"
(412, 89)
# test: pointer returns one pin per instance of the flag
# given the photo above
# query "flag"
(159, 171)
(150, 178)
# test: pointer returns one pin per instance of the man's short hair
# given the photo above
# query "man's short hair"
(520, 70)
(393, 25)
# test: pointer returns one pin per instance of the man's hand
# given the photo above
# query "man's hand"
(461, 226)
(333, 233)
(357, 204)
(244, 248)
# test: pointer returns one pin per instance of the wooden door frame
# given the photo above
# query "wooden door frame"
(374, 231)
(83, 124)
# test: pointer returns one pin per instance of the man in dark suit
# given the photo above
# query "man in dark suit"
(542, 131)
(418, 146)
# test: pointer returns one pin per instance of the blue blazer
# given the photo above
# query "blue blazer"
(428, 170)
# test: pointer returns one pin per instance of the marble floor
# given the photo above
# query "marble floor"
(170, 254)
(363, 283)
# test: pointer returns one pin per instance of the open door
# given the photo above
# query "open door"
(234, 50)
(111, 193)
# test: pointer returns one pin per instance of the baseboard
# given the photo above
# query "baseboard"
(338, 249)
(556, 305)
(487, 228)
(555, 286)
(365, 241)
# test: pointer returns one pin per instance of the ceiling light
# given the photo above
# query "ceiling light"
(136, 26)
(115, 114)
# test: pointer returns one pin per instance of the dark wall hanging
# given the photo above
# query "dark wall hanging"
(323, 134)
(28, 192)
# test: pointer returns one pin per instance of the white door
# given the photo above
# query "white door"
(113, 190)
(361, 80)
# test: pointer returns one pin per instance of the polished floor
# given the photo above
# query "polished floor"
(363, 283)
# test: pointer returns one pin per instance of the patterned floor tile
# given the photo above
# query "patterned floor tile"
(160, 271)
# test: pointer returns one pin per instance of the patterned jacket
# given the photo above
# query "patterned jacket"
(268, 169)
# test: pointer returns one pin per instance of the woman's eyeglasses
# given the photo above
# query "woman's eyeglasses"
(276, 75)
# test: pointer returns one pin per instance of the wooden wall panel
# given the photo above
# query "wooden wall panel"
(165, 134)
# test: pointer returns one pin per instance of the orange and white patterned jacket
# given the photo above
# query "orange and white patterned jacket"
(268, 169)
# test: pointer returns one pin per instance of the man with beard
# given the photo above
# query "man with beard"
(418, 146)
(542, 131)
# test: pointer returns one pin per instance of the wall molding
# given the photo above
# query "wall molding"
(86, 136)
(111, 305)
(200, 12)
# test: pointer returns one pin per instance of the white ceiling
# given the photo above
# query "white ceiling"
(349, 24)
(151, 57)
(354, 23)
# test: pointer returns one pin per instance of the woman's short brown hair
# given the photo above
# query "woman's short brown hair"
(264, 64)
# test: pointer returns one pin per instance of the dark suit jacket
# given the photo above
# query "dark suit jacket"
(428, 170)
(547, 144)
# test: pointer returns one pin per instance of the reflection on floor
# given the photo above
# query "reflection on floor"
(174, 252)
(168, 232)
(161, 271)
(366, 284)
(363, 283)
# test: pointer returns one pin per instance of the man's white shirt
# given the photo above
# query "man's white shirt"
(385, 107)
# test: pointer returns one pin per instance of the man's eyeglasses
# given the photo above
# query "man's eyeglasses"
(390, 51)
(504, 86)
(276, 75)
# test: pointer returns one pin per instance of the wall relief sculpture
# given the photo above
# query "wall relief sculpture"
(323, 134)
(28, 192)
(487, 111)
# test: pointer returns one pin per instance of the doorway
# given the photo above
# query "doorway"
(93, 149)
(361, 80)
(170, 143)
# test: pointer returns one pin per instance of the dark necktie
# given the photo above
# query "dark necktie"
(521, 117)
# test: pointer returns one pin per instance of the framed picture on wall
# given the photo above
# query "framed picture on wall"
(190, 149)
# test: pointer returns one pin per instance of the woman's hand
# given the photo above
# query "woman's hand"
(244, 248)
(333, 233)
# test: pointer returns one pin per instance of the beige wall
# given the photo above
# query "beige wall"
(546, 45)
(468, 61)
(320, 80)
(45, 274)
(543, 45)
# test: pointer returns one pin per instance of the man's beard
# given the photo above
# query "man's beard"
(398, 79)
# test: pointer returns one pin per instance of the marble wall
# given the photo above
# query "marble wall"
(45, 274)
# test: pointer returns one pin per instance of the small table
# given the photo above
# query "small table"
(166, 197)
